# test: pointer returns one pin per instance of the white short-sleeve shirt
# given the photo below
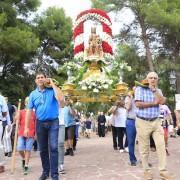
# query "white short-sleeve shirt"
(3, 106)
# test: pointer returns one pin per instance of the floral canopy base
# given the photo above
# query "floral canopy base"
(95, 85)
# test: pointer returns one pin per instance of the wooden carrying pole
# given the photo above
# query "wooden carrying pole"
(15, 138)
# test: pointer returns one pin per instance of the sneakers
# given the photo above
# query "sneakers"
(71, 153)
(67, 152)
(121, 150)
(126, 150)
(165, 176)
(25, 170)
(9, 154)
(23, 163)
(133, 164)
(61, 169)
(148, 175)
(44, 177)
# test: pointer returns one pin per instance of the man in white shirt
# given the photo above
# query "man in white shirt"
(3, 114)
(61, 140)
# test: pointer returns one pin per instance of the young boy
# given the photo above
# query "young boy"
(25, 144)
(88, 126)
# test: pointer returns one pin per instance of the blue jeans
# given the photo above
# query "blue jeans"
(25, 144)
(131, 136)
(47, 134)
(61, 144)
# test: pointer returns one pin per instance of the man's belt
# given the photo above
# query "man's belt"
(45, 120)
(147, 119)
(130, 119)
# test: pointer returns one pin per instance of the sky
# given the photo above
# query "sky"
(74, 7)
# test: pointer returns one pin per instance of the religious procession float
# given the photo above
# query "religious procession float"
(93, 84)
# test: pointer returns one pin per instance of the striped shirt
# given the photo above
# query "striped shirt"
(146, 95)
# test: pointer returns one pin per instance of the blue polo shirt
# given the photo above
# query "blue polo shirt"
(45, 104)
(68, 117)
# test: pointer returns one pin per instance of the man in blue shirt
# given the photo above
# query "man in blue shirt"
(69, 121)
(46, 101)
(147, 123)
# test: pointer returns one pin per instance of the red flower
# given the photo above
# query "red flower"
(106, 29)
(79, 29)
(79, 48)
(107, 48)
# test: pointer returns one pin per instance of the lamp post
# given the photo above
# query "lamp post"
(172, 80)
(1, 70)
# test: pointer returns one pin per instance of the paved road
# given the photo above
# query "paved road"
(95, 159)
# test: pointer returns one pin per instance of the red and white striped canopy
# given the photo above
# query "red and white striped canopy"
(78, 33)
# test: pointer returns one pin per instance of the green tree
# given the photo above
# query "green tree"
(18, 45)
(164, 16)
(137, 7)
(128, 54)
(55, 32)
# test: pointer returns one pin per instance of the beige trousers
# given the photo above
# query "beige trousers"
(144, 130)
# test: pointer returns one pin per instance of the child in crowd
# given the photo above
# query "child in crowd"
(25, 144)
(165, 115)
(88, 126)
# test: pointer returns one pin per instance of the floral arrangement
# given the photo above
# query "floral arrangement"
(71, 66)
(97, 15)
(122, 65)
(96, 83)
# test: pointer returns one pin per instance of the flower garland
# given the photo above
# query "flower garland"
(103, 18)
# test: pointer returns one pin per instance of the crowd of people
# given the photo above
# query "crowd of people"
(49, 122)
(143, 113)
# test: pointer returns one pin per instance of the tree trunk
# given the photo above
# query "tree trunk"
(177, 63)
(146, 44)
(177, 82)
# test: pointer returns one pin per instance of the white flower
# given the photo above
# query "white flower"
(105, 86)
(96, 83)
(84, 87)
(95, 90)
(129, 68)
